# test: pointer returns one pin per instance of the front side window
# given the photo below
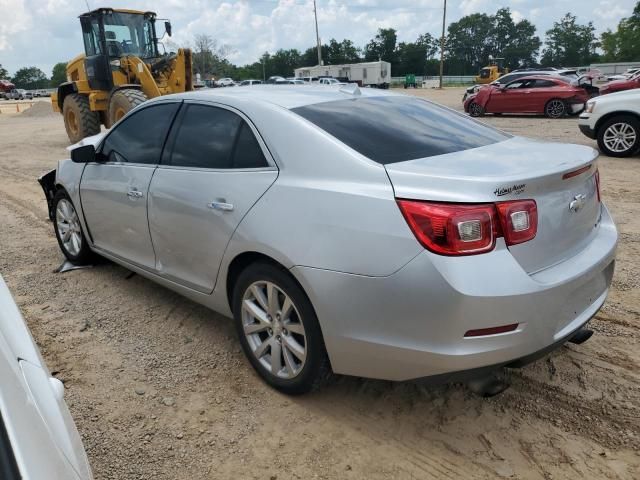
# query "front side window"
(140, 137)
(389, 129)
(216, 138)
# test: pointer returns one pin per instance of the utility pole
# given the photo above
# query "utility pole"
(315, 13)
(444, 19)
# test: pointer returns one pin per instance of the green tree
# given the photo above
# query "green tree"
(30, 78)
(472, 39)
(417, 57)
(570, 44)
(623, 45)
(341, 52)
(59, 74)
(382, 47)
(4, 74)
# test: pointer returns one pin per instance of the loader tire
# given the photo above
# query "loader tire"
(122, 101)
(79, 120)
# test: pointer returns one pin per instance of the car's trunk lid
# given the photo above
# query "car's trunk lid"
(518, 168)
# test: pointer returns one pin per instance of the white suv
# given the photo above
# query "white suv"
(614, 120)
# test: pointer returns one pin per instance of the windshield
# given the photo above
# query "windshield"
(391, 129)
(129, 34)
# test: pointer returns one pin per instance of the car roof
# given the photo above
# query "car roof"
(538, 77)
(286, 96)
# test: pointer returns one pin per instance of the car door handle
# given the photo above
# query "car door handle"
(225, 207)
(134, 194)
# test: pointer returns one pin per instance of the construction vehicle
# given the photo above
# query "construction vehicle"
(121, 68)
(491, 72)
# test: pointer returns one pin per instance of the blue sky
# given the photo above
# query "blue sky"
(44, 32)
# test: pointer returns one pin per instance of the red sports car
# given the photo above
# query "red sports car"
(620, 85)
(546, 95)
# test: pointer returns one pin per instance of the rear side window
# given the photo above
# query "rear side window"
(211, 137)
(398, 128)
(140, 137)
(544, 84)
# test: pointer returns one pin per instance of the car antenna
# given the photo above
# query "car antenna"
(351, 89)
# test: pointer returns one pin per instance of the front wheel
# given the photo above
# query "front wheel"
(476, 110)
(79, 120)
(68, 230)
(279, 330)
(555, 108)
(619, 136)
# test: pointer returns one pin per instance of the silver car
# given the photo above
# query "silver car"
(38, 438)
(352, 231)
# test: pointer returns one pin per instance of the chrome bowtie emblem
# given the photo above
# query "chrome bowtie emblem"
(577, 203)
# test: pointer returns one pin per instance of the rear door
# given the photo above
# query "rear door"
(541, 91)
(114, 192)
(214, 170)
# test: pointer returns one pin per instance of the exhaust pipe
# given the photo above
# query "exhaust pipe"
(489, 385)
(581, 336)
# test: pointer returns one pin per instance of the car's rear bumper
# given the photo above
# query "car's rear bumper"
(412, 324)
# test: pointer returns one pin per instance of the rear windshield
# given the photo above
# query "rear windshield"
(398, 128)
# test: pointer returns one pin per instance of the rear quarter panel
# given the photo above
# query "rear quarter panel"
(330, 207)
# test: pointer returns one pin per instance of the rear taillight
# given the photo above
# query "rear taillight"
(451, 229)
(469, 229)
(519, 220)
(597, 177)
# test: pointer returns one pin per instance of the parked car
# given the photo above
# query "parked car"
(38, 438)
(620, 85)
(566, 74)
(378, 235)
(275, 79)
(614, 121)
(16, 94)
(225, 82)
(28, 95)
(329, 81)
(534, 94)
(245, 83)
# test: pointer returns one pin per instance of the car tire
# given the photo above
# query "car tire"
(122, 101)
(619, 136)
(555, 108)
(79, 120)
(286, 348)
(69, 232)
(476, 110)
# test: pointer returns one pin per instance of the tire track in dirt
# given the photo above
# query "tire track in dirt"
(436, 464)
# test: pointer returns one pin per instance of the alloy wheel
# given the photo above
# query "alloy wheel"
(619, 137)
(555, 108)
(274, 330)
(69, 228)
(475, 110)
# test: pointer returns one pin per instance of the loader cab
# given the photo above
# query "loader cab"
(109, 35)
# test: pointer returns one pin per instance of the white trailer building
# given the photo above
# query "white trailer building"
(373, 74)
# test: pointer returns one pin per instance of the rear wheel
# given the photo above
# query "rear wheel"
(79, 120)
(619, 136)
(122, 101)
(476, 110)
(279, 330)
(555, 108)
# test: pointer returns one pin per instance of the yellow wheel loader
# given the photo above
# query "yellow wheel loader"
(121, 68)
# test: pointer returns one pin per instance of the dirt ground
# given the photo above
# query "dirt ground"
(160, 389)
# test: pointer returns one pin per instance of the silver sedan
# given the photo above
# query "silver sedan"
(38, 438)
(351, 231)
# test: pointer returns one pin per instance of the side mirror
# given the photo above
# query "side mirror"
(167, 27)
(83, 154)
